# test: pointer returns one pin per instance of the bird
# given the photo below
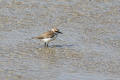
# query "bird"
(49, 36)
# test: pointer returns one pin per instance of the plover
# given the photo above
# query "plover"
(51, 35)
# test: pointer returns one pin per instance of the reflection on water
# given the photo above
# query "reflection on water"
(48, 54)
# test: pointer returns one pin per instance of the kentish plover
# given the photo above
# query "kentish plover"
(51, 35)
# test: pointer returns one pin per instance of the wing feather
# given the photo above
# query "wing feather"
(48, 34)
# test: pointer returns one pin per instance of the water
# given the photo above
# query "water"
(89, 49)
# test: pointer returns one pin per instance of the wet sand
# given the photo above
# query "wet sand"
(89, 49)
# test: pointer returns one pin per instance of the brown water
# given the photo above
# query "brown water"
(89, 49)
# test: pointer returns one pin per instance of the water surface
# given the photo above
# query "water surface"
(89, 49)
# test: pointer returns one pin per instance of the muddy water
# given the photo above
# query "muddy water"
(89, 49)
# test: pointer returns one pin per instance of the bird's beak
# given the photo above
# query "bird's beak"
(60, 32)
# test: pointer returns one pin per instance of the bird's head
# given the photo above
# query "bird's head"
(55, 30)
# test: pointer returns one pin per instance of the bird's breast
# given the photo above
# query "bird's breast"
(47, 39)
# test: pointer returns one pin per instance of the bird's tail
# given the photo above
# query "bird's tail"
(36, 37)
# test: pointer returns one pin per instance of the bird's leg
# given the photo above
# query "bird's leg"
(45, 44)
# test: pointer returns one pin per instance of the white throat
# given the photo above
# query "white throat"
(53, 30)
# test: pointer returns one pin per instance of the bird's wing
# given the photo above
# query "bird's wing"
(45, 35)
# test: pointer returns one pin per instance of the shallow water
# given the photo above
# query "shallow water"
(89, 49)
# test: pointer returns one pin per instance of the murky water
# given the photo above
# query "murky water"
(89, 49)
